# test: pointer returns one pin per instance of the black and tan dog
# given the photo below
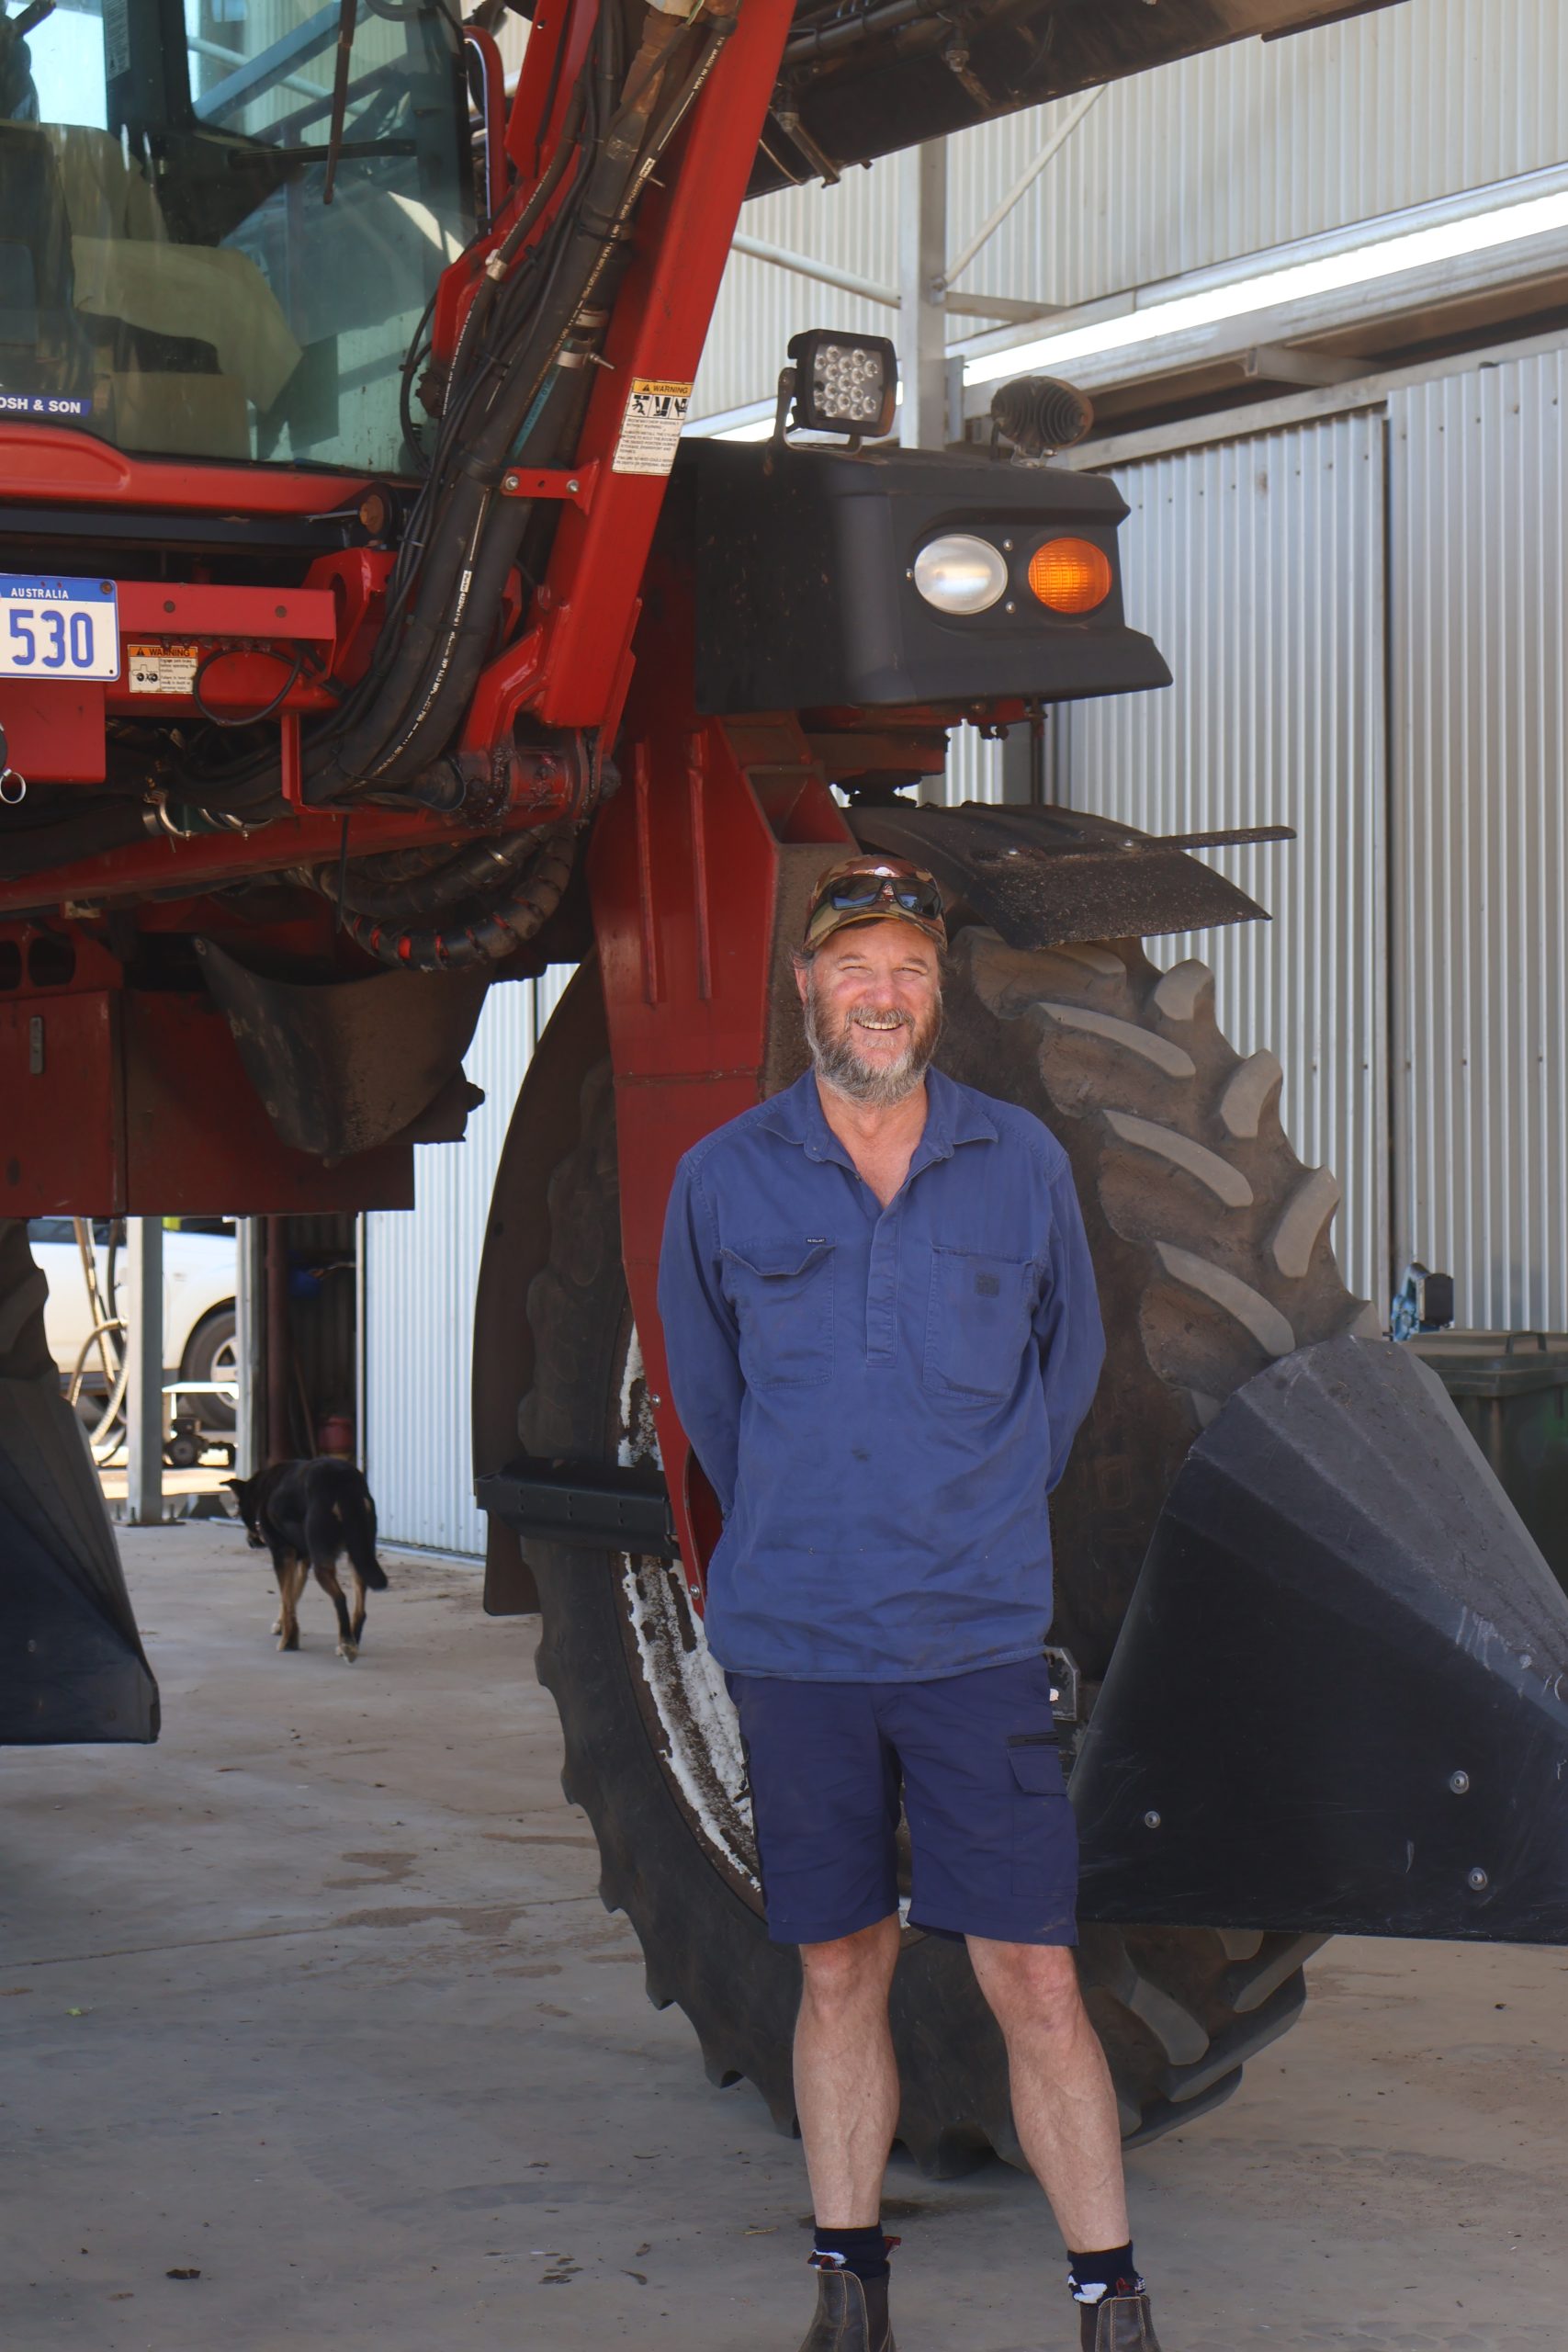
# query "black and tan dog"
(307, 1514)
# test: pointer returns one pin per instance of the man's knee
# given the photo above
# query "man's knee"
(838, 1973)
(1030, 1985)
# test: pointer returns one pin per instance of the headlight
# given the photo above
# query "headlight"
(1070, 575)
(958, 573)
(844, 383)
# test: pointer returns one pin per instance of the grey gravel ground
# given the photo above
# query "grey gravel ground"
(317, 1999)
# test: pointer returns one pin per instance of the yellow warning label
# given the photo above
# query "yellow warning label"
(651, 429)
(161, 669)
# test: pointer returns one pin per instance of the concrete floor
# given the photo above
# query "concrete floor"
(317, 1999)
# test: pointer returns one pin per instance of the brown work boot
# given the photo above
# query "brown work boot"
(851, 2315)
(1116, 2323)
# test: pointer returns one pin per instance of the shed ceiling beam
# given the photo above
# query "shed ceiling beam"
(1000, 305)
(922, 326)
(803, 265)
(1022, 186)
(1276, 363)
(968, 305)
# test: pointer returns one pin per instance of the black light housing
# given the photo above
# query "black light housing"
(844, 383)
(810, 591)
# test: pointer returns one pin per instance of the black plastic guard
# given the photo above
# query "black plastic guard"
(1336, 1703)
(1048, 876)
(345, 1065)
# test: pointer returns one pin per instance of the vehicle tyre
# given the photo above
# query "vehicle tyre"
(1210, 1241)
(211, 1354)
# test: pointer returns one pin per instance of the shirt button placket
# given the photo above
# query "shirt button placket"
(882, 1289)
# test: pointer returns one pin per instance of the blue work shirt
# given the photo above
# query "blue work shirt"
(882, 1398)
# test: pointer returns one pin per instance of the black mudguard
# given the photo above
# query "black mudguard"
(1336, 1704)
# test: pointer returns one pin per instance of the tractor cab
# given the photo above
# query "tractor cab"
(222, 222)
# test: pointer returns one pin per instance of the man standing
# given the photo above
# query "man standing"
(883, 1335)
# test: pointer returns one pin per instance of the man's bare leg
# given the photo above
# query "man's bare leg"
(1063, 2103)
(846, 2077)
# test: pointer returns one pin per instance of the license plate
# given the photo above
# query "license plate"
(57, 628)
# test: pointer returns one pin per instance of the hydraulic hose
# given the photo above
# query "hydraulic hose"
(448, 632)
(474, 872)
(484, 933)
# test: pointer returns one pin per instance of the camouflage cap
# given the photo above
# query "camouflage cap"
(871, 888)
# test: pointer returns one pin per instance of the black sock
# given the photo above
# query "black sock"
(863, 2250)
(1095, 2276)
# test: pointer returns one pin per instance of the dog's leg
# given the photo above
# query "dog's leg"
(291, 1584)
(280, 1569)
(326, 1577)
(357, 1627)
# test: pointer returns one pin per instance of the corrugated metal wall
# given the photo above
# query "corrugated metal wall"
(1257, 567)
(420, 1273)
(1479, 564)
(1201, 163)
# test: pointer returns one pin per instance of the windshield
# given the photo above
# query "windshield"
(172, 277)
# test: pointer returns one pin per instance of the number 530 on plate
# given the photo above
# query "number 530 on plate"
(57, 628)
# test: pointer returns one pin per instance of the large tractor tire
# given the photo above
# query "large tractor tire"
(1211, 1248)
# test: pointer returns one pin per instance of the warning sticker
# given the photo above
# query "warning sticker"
(651, 429)
(161, 669)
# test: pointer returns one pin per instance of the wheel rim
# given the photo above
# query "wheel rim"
(690, 1719)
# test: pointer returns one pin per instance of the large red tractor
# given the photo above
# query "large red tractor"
(366, 640)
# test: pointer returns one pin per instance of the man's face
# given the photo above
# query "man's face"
(873, 1000)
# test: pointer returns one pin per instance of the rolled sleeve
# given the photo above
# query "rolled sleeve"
(1068, 1332)
(701, 1338)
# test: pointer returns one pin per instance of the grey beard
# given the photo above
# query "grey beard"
(837, 1064)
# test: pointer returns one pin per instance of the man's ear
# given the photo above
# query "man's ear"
(802, 975)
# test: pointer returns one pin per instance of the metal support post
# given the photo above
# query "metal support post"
(145, 1387)
(922, 286)
(250, 1347)
(278, 1447)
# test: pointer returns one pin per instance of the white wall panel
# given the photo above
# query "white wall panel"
(1479, 564)
(1256, 568)
(1197, 163)
(421, 1271)
(973, 769)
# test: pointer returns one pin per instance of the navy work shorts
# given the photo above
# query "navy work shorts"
(994, 1843)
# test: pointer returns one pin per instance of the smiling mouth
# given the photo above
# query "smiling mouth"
(883, 1025)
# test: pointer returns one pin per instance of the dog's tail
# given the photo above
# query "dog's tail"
(356, 1517)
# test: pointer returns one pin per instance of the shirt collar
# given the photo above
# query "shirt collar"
(954, 1114)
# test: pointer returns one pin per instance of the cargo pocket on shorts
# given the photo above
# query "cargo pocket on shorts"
(1044, 1844)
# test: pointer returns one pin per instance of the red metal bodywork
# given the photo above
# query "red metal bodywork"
(684, 875)
(683, 868)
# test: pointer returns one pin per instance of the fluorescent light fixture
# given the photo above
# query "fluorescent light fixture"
(1390, 257)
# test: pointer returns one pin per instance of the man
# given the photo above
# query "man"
(883, 1335)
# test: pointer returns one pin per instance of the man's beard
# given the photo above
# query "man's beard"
(878, 1085)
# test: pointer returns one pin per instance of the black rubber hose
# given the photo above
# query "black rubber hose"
(450, 650)
(474, 872)
(483, 934)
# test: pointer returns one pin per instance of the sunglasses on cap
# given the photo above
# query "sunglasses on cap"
(857, 893)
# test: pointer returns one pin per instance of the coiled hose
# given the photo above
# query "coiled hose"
(532, 875)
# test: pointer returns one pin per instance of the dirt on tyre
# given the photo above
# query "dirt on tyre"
(1210, 1247)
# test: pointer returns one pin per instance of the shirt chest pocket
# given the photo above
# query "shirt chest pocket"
(977, 1324)
(783, 1296)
